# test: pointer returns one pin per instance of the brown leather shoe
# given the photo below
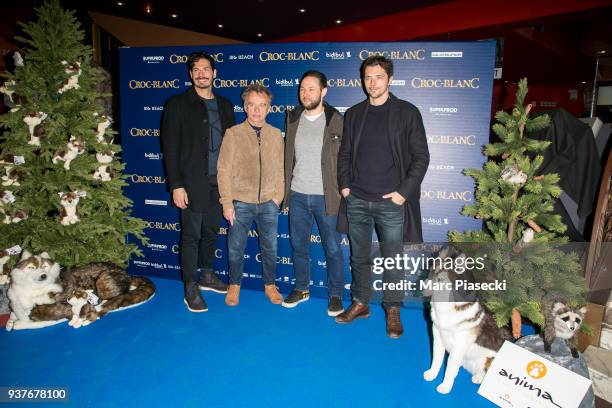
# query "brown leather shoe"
(355, 310)
(394, 323)
(233, 294)
(272, 293)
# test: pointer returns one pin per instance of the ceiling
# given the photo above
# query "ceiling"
(244, 20)
(557, 49)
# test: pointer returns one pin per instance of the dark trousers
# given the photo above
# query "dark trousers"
(388, 219)
(199, 238)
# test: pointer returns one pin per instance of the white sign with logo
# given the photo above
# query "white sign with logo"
(520, 378)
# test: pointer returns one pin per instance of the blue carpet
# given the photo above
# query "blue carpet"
(254, 355)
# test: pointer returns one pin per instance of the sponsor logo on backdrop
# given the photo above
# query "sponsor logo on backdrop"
(152, 108)
(163, 226)
(284, 236)
(338, 55)
(156, 265)
(443, 110)
(344, 83)
(418, 55)
(342, 109)
(435, 221)
(240, 57)
(182, 59)
(315, 238)
(158, 84)
(137, 132)
(273, 108)
(153, 59)
(471, 83)
(222, 231)
(175, 249)
(140, 179)
(157, 247)
(156, 202)
(287, 82)
(239, 83)
(469, 140)
(153, 156)
(465, 196)
(281, 260)
(447, 54)
(398, 82)
(218, 253)
(446, 167)
(265, 56)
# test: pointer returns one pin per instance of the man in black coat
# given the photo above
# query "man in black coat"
(193, 126)
(381, 164)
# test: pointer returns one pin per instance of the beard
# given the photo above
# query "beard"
(202, 85)
(312, 105)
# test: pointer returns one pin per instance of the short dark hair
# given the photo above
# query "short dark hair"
(256, 88)
(316, 74)
(198, 55)
(374, 60)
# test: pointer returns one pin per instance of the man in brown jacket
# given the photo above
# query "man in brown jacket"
(251, 186)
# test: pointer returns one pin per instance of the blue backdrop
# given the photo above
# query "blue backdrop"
(451, 84)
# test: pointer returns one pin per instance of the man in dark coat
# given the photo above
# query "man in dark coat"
(381, 164)
(193, 126)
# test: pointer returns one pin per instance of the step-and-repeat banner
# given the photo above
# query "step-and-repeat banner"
(450, 83)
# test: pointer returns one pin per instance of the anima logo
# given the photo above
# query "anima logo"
(536, 369)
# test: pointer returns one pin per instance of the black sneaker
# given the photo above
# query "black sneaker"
(295, 297)
(209, 281)
(334, 306)
(193, 299)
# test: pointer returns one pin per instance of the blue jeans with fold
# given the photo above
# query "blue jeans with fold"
(304, 208)
(265, 216)
(388, 219)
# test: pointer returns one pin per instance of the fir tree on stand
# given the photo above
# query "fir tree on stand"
(521, 235)
(61, 179)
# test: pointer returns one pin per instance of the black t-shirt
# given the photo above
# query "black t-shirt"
(375, 172)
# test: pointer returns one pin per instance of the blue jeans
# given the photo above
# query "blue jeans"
(303, 209)
(265, 216)
(388, 219)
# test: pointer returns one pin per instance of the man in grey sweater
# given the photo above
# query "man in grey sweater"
(312, 140)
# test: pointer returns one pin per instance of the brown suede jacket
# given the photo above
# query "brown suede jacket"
(248, 170)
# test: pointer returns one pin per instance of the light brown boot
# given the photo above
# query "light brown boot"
(233, 293)
(272, 294)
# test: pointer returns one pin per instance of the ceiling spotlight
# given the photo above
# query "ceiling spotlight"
(259, 34)
(601, 52)
(148, 9)
(174, 15)
(338, 21)
(119, 3)
(220, 25)
(302, 10)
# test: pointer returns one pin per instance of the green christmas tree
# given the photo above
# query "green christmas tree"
(521, 238)
(61, 178)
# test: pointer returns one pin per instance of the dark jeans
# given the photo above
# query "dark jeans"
(199, 238)
(305, 208)
(265, 216)
(388, 219)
